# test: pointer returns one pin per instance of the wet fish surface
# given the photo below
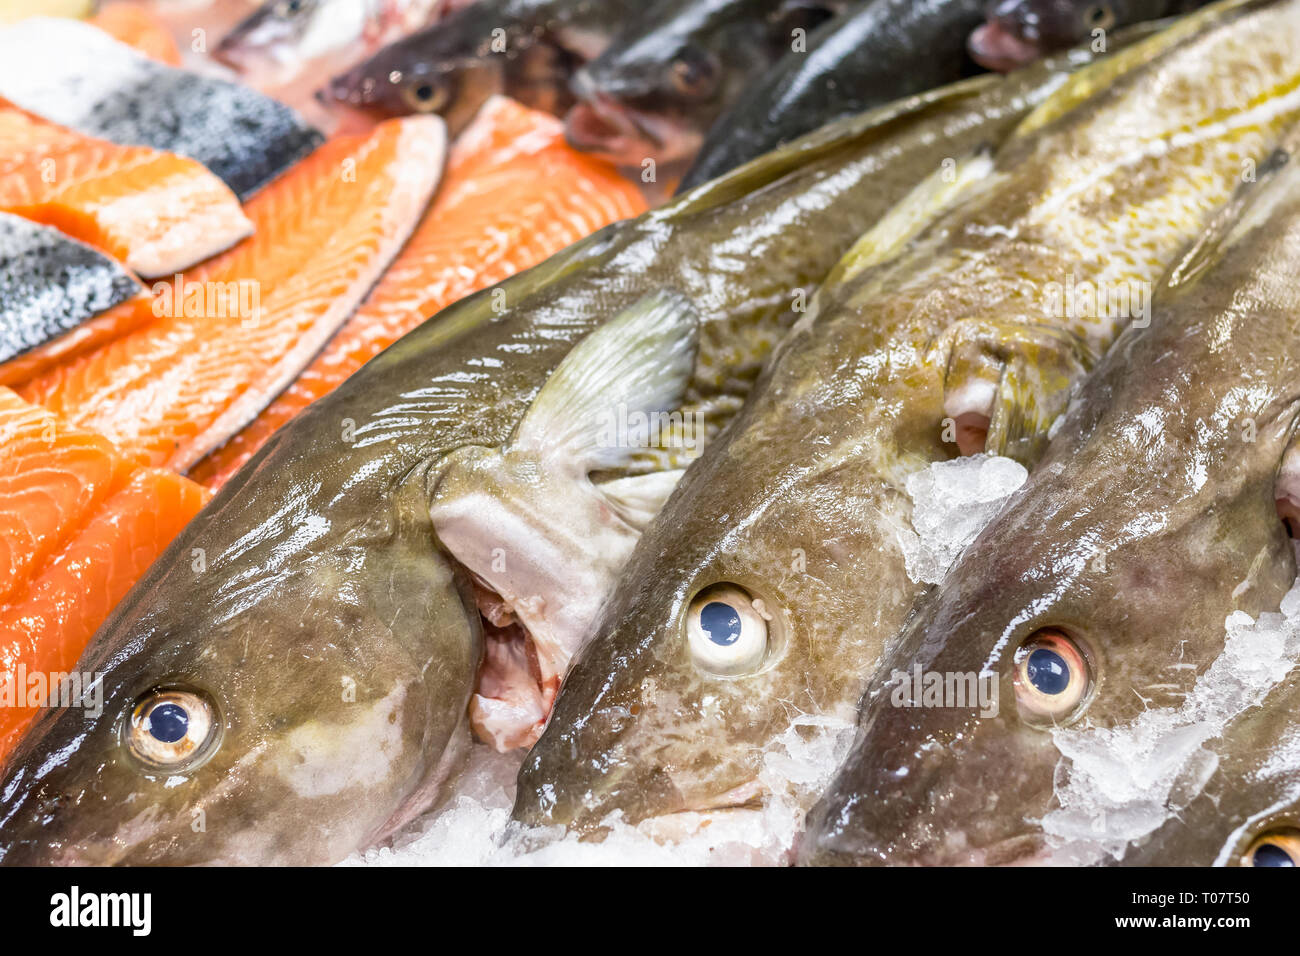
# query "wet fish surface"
(526, 49)
(1097, 600)
(671, 71)
(75, 75)
(773, 580)
(870, 54)
(1019, 31)
(319, 558)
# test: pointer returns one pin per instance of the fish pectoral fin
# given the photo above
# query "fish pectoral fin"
(637, 364)
(639, 498)
(1006, 382)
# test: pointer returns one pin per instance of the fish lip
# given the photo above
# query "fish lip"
(627, 128)
(996, 48)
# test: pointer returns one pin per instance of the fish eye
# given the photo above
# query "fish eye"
(1053, 677)
(425, 95)
(288, 8)
(1099, 16)
(727, 630)
(1279, 847)
(694, 73)
(173, 729)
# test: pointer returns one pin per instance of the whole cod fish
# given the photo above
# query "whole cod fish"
(1019, 31)
(770, 583)
(291, 681)
(670, 72)
(1096, 600)
(525, 49)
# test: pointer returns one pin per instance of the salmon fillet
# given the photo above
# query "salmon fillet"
(238, 329)
(155, 212)
(79, 523)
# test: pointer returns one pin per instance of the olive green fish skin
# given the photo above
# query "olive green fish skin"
(1150, 519)
(316, 569)
(800, 500)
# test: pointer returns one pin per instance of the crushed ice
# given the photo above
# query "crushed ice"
(472, 829)
(1115, 785)
(952, 501)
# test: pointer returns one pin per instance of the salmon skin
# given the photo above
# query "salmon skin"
(50, 284)
(156, 212)
(513, 195)
(79, 522)
(78, 76)
(233, 333)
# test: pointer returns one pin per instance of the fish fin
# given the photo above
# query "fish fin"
(638, 498)
(1103, 73)
(1010, 380)
(934, 195)
(641, 360)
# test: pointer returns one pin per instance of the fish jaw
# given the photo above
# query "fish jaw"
(626, 136)
(262, 39)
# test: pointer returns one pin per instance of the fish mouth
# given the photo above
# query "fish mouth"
(996, 48)
(622, 135)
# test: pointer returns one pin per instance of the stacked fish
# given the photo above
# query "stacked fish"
(914, 487)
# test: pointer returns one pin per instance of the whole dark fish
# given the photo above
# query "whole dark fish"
(1096, 600)
(50, 284)
(1019, 31)
(526, 49)
(671, 72)
(774, 579)
(78, 76)
(868, 55)
(308, 643)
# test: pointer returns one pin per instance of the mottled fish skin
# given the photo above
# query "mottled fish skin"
(1018, 31)
(798, 502)
(50, 284)
(526, 49)
(73, 74)
(1150, 519)
(868, 55)
(310, 600)
(671, 71)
